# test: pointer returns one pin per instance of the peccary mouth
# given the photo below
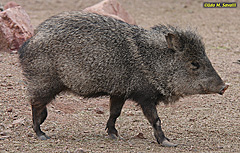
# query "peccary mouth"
(224, 88)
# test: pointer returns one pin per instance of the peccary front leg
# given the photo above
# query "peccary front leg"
(150, 111)
(116, 104)
(39, 114)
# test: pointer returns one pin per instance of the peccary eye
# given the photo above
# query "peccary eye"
(195, 66)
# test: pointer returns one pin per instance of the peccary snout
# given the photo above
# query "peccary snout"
(215, 85)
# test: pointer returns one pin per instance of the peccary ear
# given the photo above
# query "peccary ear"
(173, 42)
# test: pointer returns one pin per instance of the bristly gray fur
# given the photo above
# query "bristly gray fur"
(94, 55)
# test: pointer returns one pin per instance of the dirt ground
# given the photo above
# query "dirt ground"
(200, 123)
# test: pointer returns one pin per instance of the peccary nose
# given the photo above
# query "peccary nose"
(224, 88)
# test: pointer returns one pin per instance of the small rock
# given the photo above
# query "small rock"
(5, 133)
(58, 111)
(130, 113)
(14, 51)
(9, 126)
(4, 137)
(9, 84)
(9, 110)
(18, 121)
(29, 135)
(192, 120)
(10, 87)
(140, 136)
(65, 148)
(99, 111)
(9, 75)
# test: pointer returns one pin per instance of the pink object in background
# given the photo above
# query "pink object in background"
(15, 28)
(111, 8)
(10, 5)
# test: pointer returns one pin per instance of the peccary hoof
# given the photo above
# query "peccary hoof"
(113, 136)
(166, 143)
(43, 137)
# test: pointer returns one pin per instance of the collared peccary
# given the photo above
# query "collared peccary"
(93, 55)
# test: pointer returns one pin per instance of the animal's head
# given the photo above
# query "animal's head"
(191, 70)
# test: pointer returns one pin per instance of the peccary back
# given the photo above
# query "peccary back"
(86, 53)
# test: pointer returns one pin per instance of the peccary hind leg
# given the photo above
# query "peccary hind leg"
(39, 114)
(116, 104)
(150, 112)
(42, 92)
